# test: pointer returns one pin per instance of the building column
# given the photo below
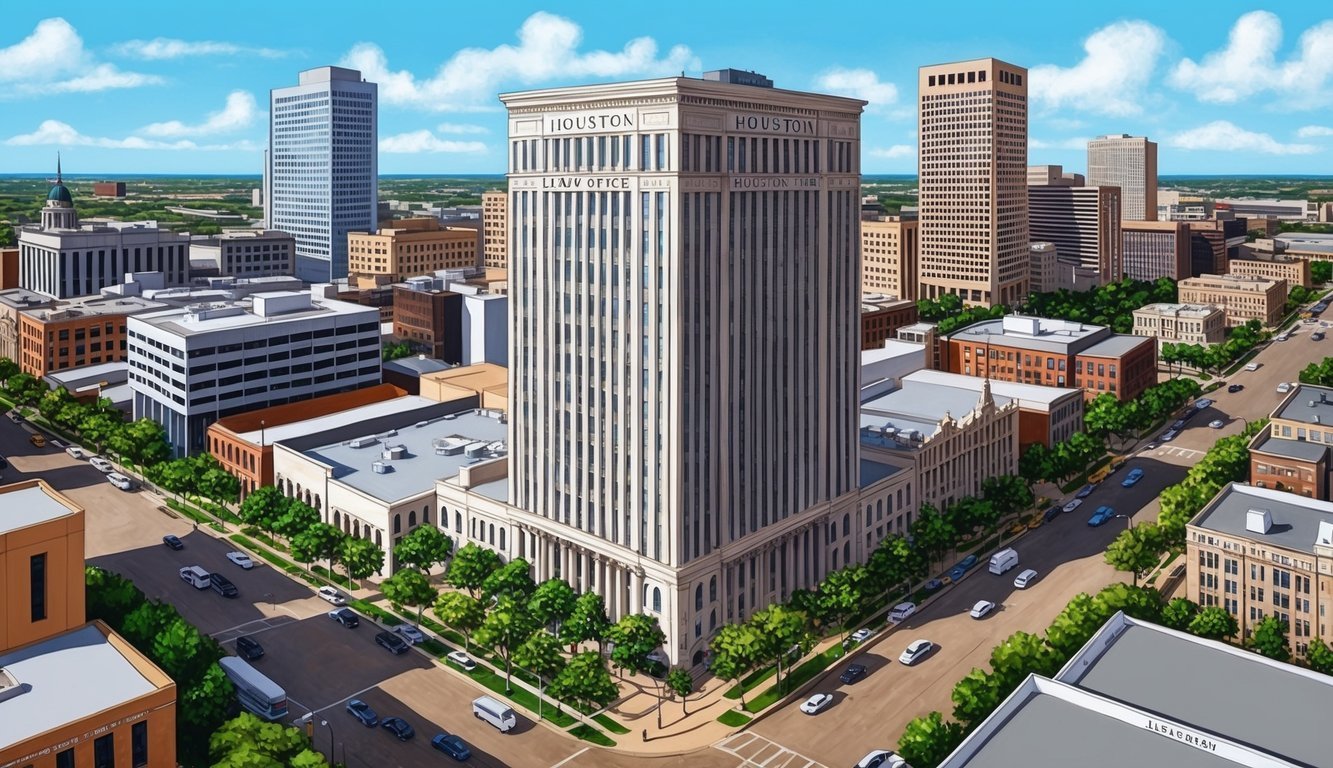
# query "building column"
(616, 596)
(635, 592)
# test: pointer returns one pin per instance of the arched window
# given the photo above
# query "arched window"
(712, 621)
(425, 515)
(698, 628)
(492, 534)
(318, 507)
(458, 522)
(657, 599)
(712, 590)
(502, 538)
(411, 519)
(379, 538)
(337, 519)
(356, 528)
(699, 598)
(846, 524)
(397, 523)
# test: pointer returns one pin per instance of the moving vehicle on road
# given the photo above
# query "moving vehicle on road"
(1003, 560)
(195, 576)
(451, 745)
(1072, 505)
(462, 659)
(901, 611)
(817, 703)
(1168, 435)
(362, 711)
(410, 633)
(398, 727)
(495, 713)
(346, 617)
(1283, 388)
(1051, 513)
(861, 635)
(331, 595)
(37, 439)
(76, 452)
(916, 652)
(1234, 388)
(255, 692)
(1133, 477)
(1102, 514)
(249, 648)
(1085, 491)
(102, 465)
(120, 481)
(853, 673)
(241, 559)
(391, 642)
(881, 758)
(173, 542)
(1252, 366)
(982, 609)
(1217, 424)
(1025, 578)
(222, 585)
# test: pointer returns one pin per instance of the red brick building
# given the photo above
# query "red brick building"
(880, 321)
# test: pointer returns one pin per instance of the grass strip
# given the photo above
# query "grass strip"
(592, 735)
(733, 719)
(496, 683)
(610, 725)
(796, 678)
(370, 609)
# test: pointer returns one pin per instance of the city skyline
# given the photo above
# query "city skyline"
(1239, 90)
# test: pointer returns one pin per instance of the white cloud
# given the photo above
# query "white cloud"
(1223, 136)
(860, 84)
(53, 60)
(1110, 79)
(238, 113)
(1075, 142)
(56, 133)
(424, 141)
(894, 152)
(461, 128)
(170, 48)
(1248, 64)
(547, 50)
(1312, 131)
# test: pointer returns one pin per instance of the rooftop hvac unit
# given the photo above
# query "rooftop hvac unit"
(363, 442)
(1325, 536)
(390, 433)
(475, 450)
(380, 468)
(394, 452)
(1258, 521)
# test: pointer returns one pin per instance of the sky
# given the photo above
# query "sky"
(1227, 88)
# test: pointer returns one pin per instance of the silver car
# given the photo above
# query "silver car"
(916, 652)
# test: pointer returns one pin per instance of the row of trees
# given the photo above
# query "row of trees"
(1319, 374)
(1062, 461)
(199, 475)
(1111, 305)
(1240, 340)
(949, 314)
(1107, 416)
(245, 741)
(310, 539)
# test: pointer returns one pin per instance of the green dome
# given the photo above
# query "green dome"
(61, 193)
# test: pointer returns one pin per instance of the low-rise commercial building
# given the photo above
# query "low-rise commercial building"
(406, 372)
(72, 692)
(1058, 353)
(77, 333)
(247, 252)
(409, 248)
(1046, 415)
(1242, 297)
(1307, 246)
(1292, 454)
(882, 316)
(1156, 249)
(429, 318)
(1181, 323)
(1274, 267)
(889, 248)
(495, 229)
(883, 368)
(488, 382)
(105, 381)
(1259, 552)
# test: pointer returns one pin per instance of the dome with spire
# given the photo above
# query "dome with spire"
(59, 193)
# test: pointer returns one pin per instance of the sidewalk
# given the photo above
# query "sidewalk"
(679, 733)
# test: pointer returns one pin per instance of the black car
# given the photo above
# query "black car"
(398, 727)
(173, 542)
(249, 648)
(362, 711)
(1234, 388)
(391, 642)
(222, 585)
(346, 617)
(3, 464)
(451, 745)
(1051, 513)
(854, 672)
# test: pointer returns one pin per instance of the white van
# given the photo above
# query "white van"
(495, 713)
(1003, 560)
(196, 577)
(902, 611)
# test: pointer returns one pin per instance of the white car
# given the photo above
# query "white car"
(981, 609)
(901, 611)
(241, 559)
(101, 465)
(410, 633)
(1216, 424)
(1073, 505)
(76, 452)
(817, 703)
(329, 594)
(862, 635)
(120, 481)
(915, 652)
(882, 758)
(1025, 578)
(463, 660)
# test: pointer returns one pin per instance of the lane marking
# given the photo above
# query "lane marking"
(734, 746)
(571, 757)
(344, 699)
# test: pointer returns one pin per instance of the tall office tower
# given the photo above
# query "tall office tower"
(1083, 222)
(323, 166)
(495, 228)
(684, 343)
(1128, 162)
(972, 177)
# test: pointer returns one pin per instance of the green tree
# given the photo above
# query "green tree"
(587, 622)
(203, 706)
(423, 548)
(360, 557)
(540, 654)
(319, 541)
(926, 741)
(24, 388)
(7, 368)
(1136, 549)
(145, 442)
(1178, 613)
(1034, 465)
(737, 649)
(1270, 639)
(215, 483)
(932, 533)
(840, 594)
(109, 596)
(1074, 625)
(296, 517)
(1214, 623)
(461, 612)
(552, 602)
(410, 588)
(1321, 272)
(1018, 656)
(264, 507)
(175, 476)
(1008, 494)
(144, 623)
(585, 682)
(470, 567)
(976, 696)
(98, 428)
(246, 741)
(1319, 656)
(505, 628)
(1143, 603)
(681, 683)
(396, 351)
(780, 630)
(513, 579)
(182, 652)
(635, 636)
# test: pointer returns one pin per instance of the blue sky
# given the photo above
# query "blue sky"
(183, 87)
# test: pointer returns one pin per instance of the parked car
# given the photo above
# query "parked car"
(915, 652)
(863, 634)
(120, 481)
(102, 465)
(957, 572)
(173, 542)
(982, 609)
(249, 648)
(933, 585)
(1102, 514)
(1085, 491)
(463, 660)
(901, 611)
(346, 617)
(451, 745)
(1133, 477)
(1252, 366)
(391, 642)
(853, 673)
(1024, 579)
(410, 633)
(1217, 424)
(1202, 403)
(817, 703)
(1234, 388)
(1051, 514)
(1072, 505)
(329, 594)
(1169, 435)
(1036, 522)
(3, 464)
(222, 585)
(362, 711)
(37, 439)
(76, 452)
(241, 559)
(398, 727)
(1178, 425)
(881, 758)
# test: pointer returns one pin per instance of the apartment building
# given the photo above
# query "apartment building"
(1260, 552)
(495, 229)
(72, 692)
(1274, 267)
(889, 253)
(1181, 323)
(1293, 453)
(77, 333)
(1130, 163)
(882, 316)
(972, 173)
(247, 252)
(1242, 297)
(1156, 249)
(429, 319)
(411, 247)
(1082, 221)
(1060, 353)
(190, 366)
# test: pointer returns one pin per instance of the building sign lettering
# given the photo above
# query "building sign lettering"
(70, 742)
(586, 183)
(774, 182)
(1182, 735)
(770, 124)
(590, 122)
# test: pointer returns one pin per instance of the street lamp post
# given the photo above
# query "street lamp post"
(332, 756)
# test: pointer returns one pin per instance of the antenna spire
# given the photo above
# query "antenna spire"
(58, 180)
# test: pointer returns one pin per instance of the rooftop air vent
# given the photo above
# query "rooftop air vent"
(1324, 538)
(1258, 521)
(395, 452)
(380, 468)
(10, 686)
(363, 442)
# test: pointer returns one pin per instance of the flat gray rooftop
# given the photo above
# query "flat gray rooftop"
(28, 506)
(1296, 449)
(873, 471)
(1060, 336)
(418, 470)
(80, 662)
(317, 424)
(1116, 345)
(1230, 693)
(1305, 405)
(1295, 518)
(416, 366)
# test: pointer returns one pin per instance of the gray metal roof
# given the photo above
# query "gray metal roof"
(23, 507)
(1308, 403)
(1060, 336)
(415, 366)
(1295, 518)
(1116, 345)
(1296, 449)
(873, 471)
(80, 661)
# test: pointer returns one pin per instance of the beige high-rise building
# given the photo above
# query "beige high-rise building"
(889, 247)
(972, 180)
(1128, 162)
(495, 228)
(409, 248)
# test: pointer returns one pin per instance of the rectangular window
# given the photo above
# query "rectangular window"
(139, 744)
(65, 758)
(37, 574)
(104, 751)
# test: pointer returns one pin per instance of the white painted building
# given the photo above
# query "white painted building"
(192, 365)
(321, 179)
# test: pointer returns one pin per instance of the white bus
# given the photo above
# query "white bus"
(256, 692)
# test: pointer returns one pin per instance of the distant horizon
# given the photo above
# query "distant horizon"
(896, 176)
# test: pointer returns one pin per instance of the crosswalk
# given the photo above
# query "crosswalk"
(755, 751)
(1175, 450)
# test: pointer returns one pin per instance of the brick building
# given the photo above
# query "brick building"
(1293, 453)
(881, 319)
(77, 333)
(429, 319)
(1242, 297)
